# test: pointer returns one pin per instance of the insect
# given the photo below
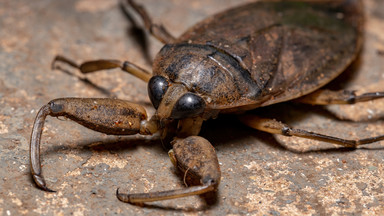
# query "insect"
(247, 57)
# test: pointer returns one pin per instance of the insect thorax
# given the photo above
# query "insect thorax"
(214, 75)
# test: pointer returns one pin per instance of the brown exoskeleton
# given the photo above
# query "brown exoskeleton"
(244, 58)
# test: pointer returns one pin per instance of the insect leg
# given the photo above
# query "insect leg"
(275, 127)
(103, 64)
(109, 116)
(196, 157)
(326, 97)
(158, 31)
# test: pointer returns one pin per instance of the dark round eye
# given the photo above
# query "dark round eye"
(157, 86)
(189, 105)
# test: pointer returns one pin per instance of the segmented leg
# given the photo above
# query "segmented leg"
(275, 127)
(158, 31)
(326, 97)
(194, 156)
(109, 116)
(103, 64)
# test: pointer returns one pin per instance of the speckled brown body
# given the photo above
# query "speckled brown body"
(264, 53)
(247, 57)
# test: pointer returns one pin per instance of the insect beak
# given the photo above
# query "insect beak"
(174, 92)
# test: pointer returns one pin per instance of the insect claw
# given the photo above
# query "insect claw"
(49, 190)
(123, 197)
(140, 198)
(117, 192)
(60, 58)
(40, 182)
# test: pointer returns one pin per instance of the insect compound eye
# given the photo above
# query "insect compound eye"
(189, 105)
(157, 86)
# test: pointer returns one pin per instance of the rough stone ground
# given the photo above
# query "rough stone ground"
(261, 174)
